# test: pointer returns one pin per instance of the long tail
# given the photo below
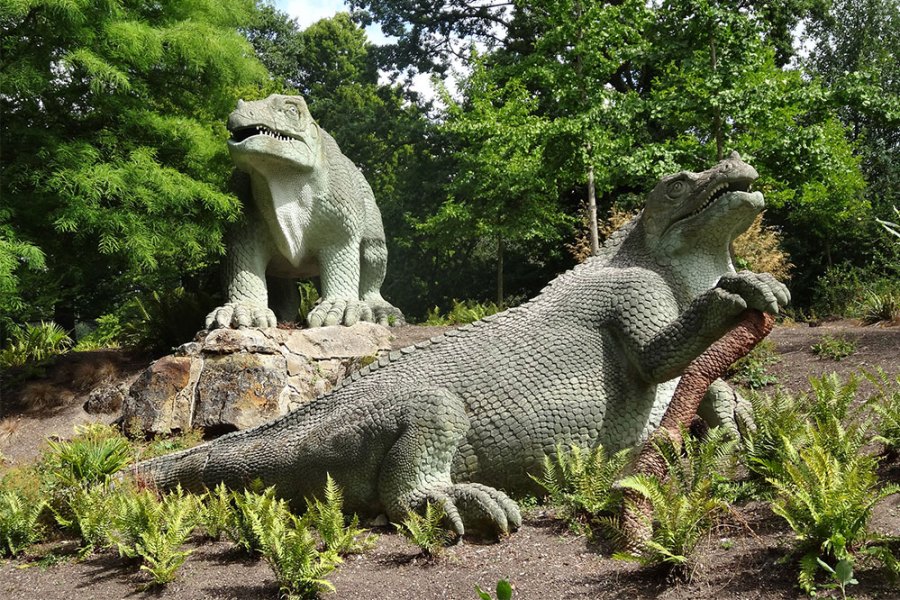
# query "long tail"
(166, 472)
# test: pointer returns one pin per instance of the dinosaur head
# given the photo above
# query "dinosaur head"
(688, 211)
(278, 129)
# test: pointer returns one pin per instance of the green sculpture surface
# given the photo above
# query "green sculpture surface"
(308, 211)
(593, 359)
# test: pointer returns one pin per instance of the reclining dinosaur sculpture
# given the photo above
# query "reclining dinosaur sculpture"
(593, 359)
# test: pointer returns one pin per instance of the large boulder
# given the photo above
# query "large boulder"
(238, 378)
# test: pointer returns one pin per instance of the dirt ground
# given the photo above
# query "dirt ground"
(741, 560)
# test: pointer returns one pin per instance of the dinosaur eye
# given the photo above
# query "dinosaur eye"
(676, 188)
(292, 110)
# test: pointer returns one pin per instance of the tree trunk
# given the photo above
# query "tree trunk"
(637, 512)
(592, 208)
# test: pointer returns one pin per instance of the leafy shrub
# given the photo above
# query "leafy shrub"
(159, 545)
(166, 444)
(290, 549)
(132, 512)
(19, 521)
(92, 456)
(106, 334)
(215, 511)
(684, 507)
(834, 347)
(776, 417)
(327, 518)
(851, 292)
(879, 307)
(92, 511)
(579, 482)
(759, 249)
(427, 530)
(159, 321)
(254, 513)
(461, 313)
(828, 500)
(750, 371)
(886, 404)
(34, 344)
(309, 296)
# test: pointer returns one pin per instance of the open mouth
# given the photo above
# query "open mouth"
(719, 190)
(243, 133)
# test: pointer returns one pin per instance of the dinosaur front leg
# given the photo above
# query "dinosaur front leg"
(373, 265)
(340, 303)
(416, 469)
(245, 278)
(723, 406)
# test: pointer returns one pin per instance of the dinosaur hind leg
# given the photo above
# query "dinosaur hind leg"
(372, 268)
(416, 468)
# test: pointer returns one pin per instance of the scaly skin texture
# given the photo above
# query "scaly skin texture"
(309, 211)
(592, 360)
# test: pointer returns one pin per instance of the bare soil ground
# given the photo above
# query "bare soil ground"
(743, 559)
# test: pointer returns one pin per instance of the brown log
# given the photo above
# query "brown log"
(637, 511)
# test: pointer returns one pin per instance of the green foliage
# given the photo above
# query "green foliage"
(461, 313)
(19, 521)
(426, 530)
(827, 499)
(841, 574)
(886, 404)
(834, 347)
(327, 518)
(166, 444)
(159, 321)
(880, 308)
(857, 293)
(90, 513)
(159, 545)
(215, 511)
(504, 591)
(252, 516)
(290, 549)
(579, 482)
(34, 344)
(133, 513)
(750, 371)
(92, 456)
(125, 182)
(776, 417)
(309, 296)
(684, 507)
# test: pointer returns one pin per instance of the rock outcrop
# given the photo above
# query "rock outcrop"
(238, 378)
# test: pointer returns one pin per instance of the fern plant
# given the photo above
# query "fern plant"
(19, 521)
(886, 404)
(827, 498)
(427, 530)
(776, 417)
(254, 512)
(683, 505)
(216, 507)
(91, 511)
(579, 482)
(34, 344)
(327, 518)
(290, 549)
(133, 512)
(159, 545)
(92, 456)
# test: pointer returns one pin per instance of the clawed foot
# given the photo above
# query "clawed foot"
(474, 506)
(754, 290)
(238, 315)
(338, 311)
(384, 313)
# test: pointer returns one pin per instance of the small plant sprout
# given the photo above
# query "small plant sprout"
(504, 591)
(834, 347)
(427, 530)
(328, 519)
(842, 574)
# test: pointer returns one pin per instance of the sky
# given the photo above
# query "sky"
(308, 12)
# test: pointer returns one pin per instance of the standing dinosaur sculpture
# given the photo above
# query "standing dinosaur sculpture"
(308, 211)
(593, 359)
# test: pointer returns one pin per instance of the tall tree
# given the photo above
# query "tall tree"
(113, 136)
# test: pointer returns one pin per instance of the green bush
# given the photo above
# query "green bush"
(290, 549)
(159, 546)
(579, 482)
(684, 507)
(886, 404)
(461, 313)
(879, 307)
(309, 296)
(92, 456)
(828, 500)
(106, 334)
(834, 347)
(254, 513)
(776, 417)
(216, 507)
(92, 511)
(34, 344)
(751, 370)
(19, 521)
(852, 292)
(427, 530)
(327, 518)
(159, 321)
